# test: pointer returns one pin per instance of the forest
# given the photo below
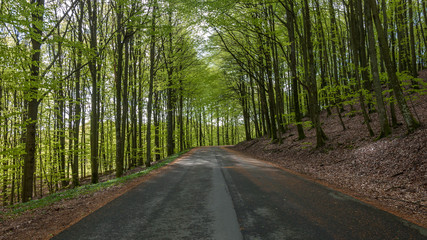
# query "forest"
(89, 87)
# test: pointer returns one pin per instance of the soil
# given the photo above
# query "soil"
(390, 173)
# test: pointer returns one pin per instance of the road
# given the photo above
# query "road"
(216, 194)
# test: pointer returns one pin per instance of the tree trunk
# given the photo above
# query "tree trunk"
(402, 40)
(125, 91)
(118, 81)
(280, 111)
(410, 121)
(413, 67)
(60, 101)
(180, 118)
(270, 90)
(94, 118)
(33, 103)
(255, 114)
(170, 138)
(156, 116)
(337, 91)
(140, 111)
(385, 127)
(293, 66)
(151, 81)
(357, 49)
(310, 70)
(134, 124)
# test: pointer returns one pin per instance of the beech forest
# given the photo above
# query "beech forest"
(93, 87)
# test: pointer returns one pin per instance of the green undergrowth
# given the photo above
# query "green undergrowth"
(85, 189)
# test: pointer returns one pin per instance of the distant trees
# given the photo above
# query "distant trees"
(81, 82)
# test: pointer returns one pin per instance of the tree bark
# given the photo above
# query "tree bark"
(151, 81)
(76, 132)
(382, 114)
(33, 102)
(410, 121)
(293, 66)
(357, 49)
(413, 67)
(337, 92)
(94, 118)
(118, 81)
(310, 70)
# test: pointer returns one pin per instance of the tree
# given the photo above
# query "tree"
(385, 127)
(310, 73)
(410, 121)
(293, 67)
(94, 71)
(151, 81)
(32, 99)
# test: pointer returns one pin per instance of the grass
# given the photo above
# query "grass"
(85, 189)
(305, 145)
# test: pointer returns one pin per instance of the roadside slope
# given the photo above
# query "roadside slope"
(390, 173)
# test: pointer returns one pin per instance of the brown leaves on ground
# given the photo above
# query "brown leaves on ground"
(390, 173)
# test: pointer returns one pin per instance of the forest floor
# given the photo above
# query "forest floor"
(390, 173)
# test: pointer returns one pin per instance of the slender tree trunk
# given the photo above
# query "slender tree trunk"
(310, 69)
(366, 82)
(118, 81)
(394, 122)
(271, 95)
(125, 91)
(337, 91)
(402, 40)
(180, 118)
(170, 138)
(243, 103)
(151, 81)
(3, 146)
(33, 103)
(60, 101)
(217, 129)
(94, 118)
(200, 130)
(255, 114)
(293, 66)
(134, 124)
(140, 112)
(264, 104)
(357, 49)
(413, 67)
(385, 127)
(410, 121)
(280, 111)
(156, 116)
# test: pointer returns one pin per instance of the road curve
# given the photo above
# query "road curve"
(215, 194)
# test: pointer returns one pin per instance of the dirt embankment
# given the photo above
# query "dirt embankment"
(390, 173)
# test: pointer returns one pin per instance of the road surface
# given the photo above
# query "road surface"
(215, 194)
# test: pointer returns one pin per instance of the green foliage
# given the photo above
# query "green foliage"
(305, 145)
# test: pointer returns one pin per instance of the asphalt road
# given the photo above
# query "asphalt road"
(215, 194)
